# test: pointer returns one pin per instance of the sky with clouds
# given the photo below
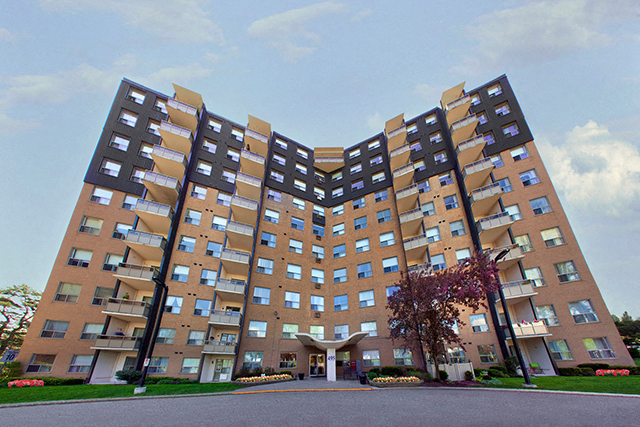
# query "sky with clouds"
(324, 74)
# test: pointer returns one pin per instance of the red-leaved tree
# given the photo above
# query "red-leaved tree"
(426, 307)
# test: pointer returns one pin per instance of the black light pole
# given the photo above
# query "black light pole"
(507, 319)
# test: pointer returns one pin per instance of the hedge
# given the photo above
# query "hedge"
(48, 381)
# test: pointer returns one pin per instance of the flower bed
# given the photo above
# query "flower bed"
(277, 377)
(25, 383)
(612, 372)
(395, 380)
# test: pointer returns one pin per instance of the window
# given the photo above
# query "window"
(204, 168)
(337, 192)
(440, 157)
(360, 223)
(475, 99)
(120, 142)
(371, 327)
(487, 354)
(339, 251)
(281, 160)
(276, 196)
(298, 203)
(276, 176)
(336, 176)
(362, 245)
(129, 202)
(79, 258)
(158, 365)
(377, 177)
(300, 185)
(317, 332)
(145, 150)
(101, 196)
(257, 329)
(180, 273)
(198, 192)
(166, 336)
(224, 199)
(598, 348)
(457, 228)
(280, 143)
(228, 176)
(186, 244)
(366, 299)
(355, 168)
(519, 153)
(301, 168)
(196, 338)
(317, 251)
(100, 295)
(110, 167)
(265, 266)
(560, 350)
(583, 312)
(494, 90)
(135, 96)
(535, 275)
(318, 210)
(295, 246)
(289, 330)
(357, 185)
(338, 229)
(317, 276)
(90, 225)
(402, 357)
(482, 118)
(302, 153)
(540, 206)
(445, 179)
(153, 127)
(214, 249)
(529, 178)
(261, 295)
(343, 359)
(288, 360)
(511, 130)
(419, 165)
(456, 355)
(433, 234)
(505, 185)
(497, 161)
(271, 216)
(219, 223)
(294, 271)
(91, 331)
(209, 145)
(503, 109)
(514, 212)
(318, 192)
(359, 203)
(128, 118)
(208, 277)
(297, 223)
(438, 262)
(341, 332)
(428, 209)
(340, 303)
(451, 202)
(41, 363)
(111, 262)
(381, 195)
(120, 231)
(340, 275)
(292, 300)
(317, 303)
(338, 210)
(364, 270)
(435, 138)
(371, 357)
(462, 254)
(479, 322)
(374, 144)
(233, 155)
(524, 242)
(54, 329)
(552, 237)
(412, 128)
(319, 177)
(390, 264)
(387, 239)
(547, 314)
(354, 153)
(252, 359)
(377, 160)
(431, 120)
(190, 365)
(268, 239)
(137, 175)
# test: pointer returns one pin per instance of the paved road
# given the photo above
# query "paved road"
(382, 407)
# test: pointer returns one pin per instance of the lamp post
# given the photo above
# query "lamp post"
(507, 319)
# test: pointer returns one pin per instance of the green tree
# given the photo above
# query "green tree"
(17, 306)
(426, 307)
(629, 330)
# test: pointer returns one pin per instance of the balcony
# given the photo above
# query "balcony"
(491, 227)
(458, 109)
(515, 292)
(244, 210)
(483, 199)
(117, 343)
(403, 176)
(476, 173)
(225, 318)
(418, 267)
(235, 262)
(529, 330)
(463, 129)
(137, 276)
(149, 246)
(169, 162)
(176, 137)
(156, 216)
(511, 259)
(407, 198)
(411, 222)
(468, 151)
(230, 289)
(328, 164)
(256, 136)
(163, 188)
(219, 347)
(248, 186)
(415, 248)
(127, 310)
(457, 103)
(182, 114)
(400, 156)
(396, 137)
(240, 236)
(251, 163)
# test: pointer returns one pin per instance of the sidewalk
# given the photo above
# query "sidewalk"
(308, 384)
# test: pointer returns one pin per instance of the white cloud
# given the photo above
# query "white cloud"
(9, 125)
(284, 30)
(361, 15)
(376, 122)
(178, 74)
(176, 20)
(542, 31)
(598, 173)
(430, 93)
(6, 36)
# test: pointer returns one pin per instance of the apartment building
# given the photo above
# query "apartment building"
(204, 246)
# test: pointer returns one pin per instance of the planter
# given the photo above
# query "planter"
(392, 385)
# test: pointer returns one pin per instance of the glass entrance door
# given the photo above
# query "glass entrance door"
(316, 365)
(222, 370)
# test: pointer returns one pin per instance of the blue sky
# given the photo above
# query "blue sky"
(324, 74)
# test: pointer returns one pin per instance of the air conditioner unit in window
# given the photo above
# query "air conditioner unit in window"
(318, 260)
(317, 314)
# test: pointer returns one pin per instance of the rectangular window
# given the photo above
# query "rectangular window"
(289, 330)
(451, 202)
(190, 365)
(145, 150)
(362, 245)
(456, 355)
(371, 327)
(261, 295)
(360, 223)
(276, 196)
(431, 120)
(377, 177)
(497, 161)
(402, 357)
(340, 303)
(387, 239)
(129, 202)
(337, 192)
(364, 270)
(560, 350)
(355, 168)
(268, 239)
(514, 212)
(371, 357)
(445, 179)
(583, 312)
(540, 206)
(598, 348)
(186, 244)
(340, 275)
(302, 153)
(214, 249)
(193, 217)
(535, 275)
(338, 229)
(300, 185)
(552, 237)
(482, 118)
(297, 223)
(288, 361)
(502, 109)
(318, 192)
(79, 258)
(257, 329)
(435, 138)
(101, 196)
(265, 266)
(547, 314)
(90, 225)
(510, 130)
(336, 176)
(339, 251)
(158, 365)
(128, 118)
(505, 185)
(204, 168)
(271, 216)
(489, 138)
(292, 300)
(120, 142)
(319, 177)
(318, 210)
(357, 185)
(166, 336)
(298, 203)
(110, 167)
(120, 231)
(359, 203)
(341, 332)
(41, 363)
(199, 192)
(433, 234)
(317, 303)
(208, 277)
(524, 242)
(428, 209)
(519, 153)
(153, 127)
(137, 175)
(54, 329)
(440, 157)
(281, 160)
(377, 160)
(390, 290)
(209, 145)
(457, 228)
(529, 178)
(381, 195)
(494, 90)
(366, 299)
(197, 338)
(111, 262)
(301, 168)
(101, 295)
(487, 354)
(233, 155)
(390, 264)
(419, 165)
(463, 254)
(317, 251)
(374, 144)
(412, 128)
(180, 273)
(317, 276)
(252, 359)
(354, 153)
(280, 143)
(317, 332)
(91, 331)
(219, 223)
(215, 125)
(294, 271)
(475, 99)
(276, 176)
(338, 210)
(295, 246)
(479, 322)
(229, 176)
(438, 262)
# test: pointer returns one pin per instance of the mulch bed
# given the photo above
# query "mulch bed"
(452, 384)
(390, 385)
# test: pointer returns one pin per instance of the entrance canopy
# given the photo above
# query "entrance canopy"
(325, 345)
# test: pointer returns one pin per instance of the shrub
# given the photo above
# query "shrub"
(634, 352)
(479, 372)
(570, 372)
(468, 375)
(420, 373)
(502, 369)
(244, 372)
(443, 375)
(497, 374)
(372, 375)
(129, 375)
(633, 370)
(257, 371)
(511, 363)
(486, 378)
(376, 370)
(587, 372)
(392, 371)
(594, 366)
(168, 380)
(269, 371)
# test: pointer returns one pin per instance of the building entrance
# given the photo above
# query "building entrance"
(222, 370)
(317, 365)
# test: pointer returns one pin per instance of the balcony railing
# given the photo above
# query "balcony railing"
(127, 307)
(220, 347)
(478, 166)
(327, 159)
(517, 289)
(411, 215)
(497, 220)
(154, 208)
(458, 102)
(463, 122)
(231, 318)
(240, 228)
(484, 192)
(397, 131)
(185, 108)
(533, 329)
(407, 191)
(117, 342)
(136, 271)
(402, 170)
(248, 179)
(162, 180)
(144, 238)
(252, 156)
(244, 202)
(418, 267)
(256, 135)
(175, 129)
(415, 242)
(169, 154)
(397, 151)
(469, 143)
(230, 285)
(233, 255)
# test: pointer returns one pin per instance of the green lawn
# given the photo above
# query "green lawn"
(637, 362)
(623, 385)
(70, 392)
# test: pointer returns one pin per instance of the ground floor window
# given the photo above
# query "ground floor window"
(560, 350)
(288, 360)
(190, 365)
(158, 365)
(80, 363)
(487, 354)
(371, 357)
(252, 359)
(41, 363)
(456, 355)
(343, 359)
(129, 363)
(598, 348)
(402, 356)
